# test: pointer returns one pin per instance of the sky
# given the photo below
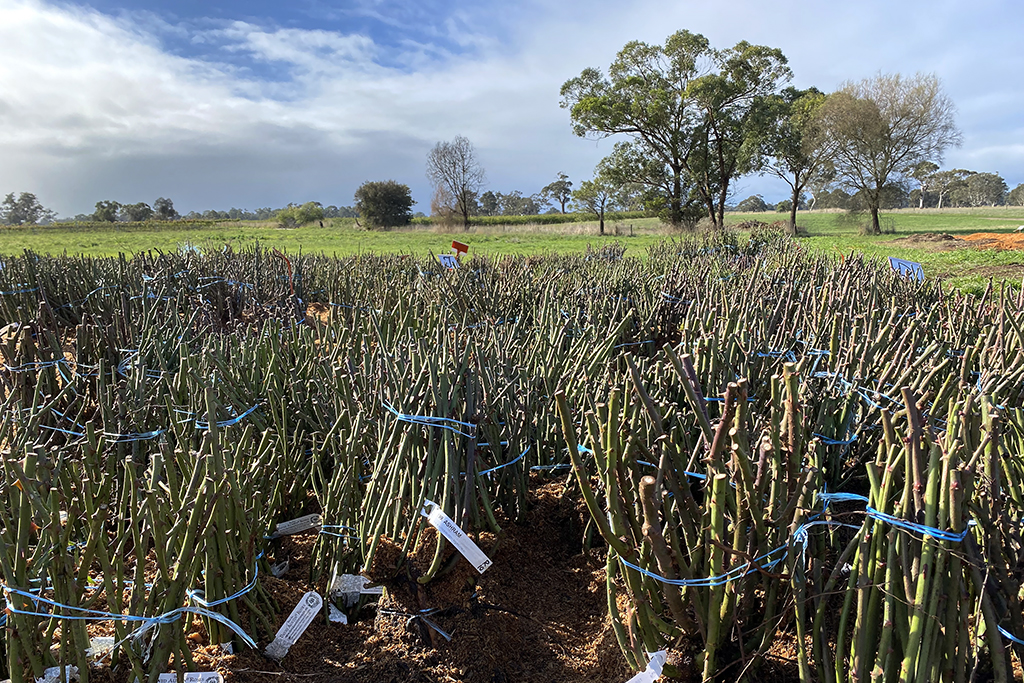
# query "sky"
(218, 104)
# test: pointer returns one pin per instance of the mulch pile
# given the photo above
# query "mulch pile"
(1000, 241)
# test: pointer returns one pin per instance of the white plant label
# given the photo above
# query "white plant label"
(295, 625)
(653, 670)
(193, 677)
(456, 536)
(52, 674)
(336, 615)
(449, 261)
(298, 525)
(351, 586)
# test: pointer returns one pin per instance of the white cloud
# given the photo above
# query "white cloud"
(95, 107)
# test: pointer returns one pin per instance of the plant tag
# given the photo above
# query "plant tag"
(296, 526)
(459, 247)
(193, 677)
(907, 268)
(52, 675)
(99, 646)
(336, 615)
(449, 261)
(451, 531)
(653, 670)
(350, 587)
(295, 625)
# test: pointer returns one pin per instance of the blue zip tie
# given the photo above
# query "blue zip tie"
(510, 462)
(227, 423)
(828, 441)
(1010, 636)
(902, 524)
(430, 421)
(711, 581)
(96, 615)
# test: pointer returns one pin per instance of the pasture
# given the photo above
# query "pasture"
(915, 238)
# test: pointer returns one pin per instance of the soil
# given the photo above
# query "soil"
(932, 241)
(537, 614)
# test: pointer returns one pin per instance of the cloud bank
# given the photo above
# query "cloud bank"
(235, 111)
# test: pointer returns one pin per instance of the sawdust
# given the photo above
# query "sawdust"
(995, 240)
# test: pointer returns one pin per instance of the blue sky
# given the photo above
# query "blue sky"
(248, 104)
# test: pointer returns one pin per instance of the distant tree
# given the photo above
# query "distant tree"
(453, 168)
(294, 215)
(25, 209)
(515, 204)
(559, 191)
(690, 108)
(106, 211)
(595, 196)
(784, 206)
(835, 199)
(136, 213)
(164, 209)
(795, 147)
(984, 189)
(882, 127)
(752, 204)
(489, 205)
(384, 203)
(923, 172)
(1016, 196)
(945, 183)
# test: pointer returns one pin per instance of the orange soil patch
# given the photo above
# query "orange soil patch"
(993, 240)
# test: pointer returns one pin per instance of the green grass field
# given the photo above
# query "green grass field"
(832, 232)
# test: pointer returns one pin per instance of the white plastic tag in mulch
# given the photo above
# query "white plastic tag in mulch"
(449, 261)
(99, 646)
(336, 615)
(52, 674)
(296, 526)
(653, 670)
(456, 536)
(350, 586)
(295, 625)
(193, 677)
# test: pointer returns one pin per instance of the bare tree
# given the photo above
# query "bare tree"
(883, 127)
(453, 169)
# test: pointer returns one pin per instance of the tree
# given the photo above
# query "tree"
(384, 203)
(136, 213)
(559, 191)
(882, 127)
(984, 189)
(25, 209)
(1016, 196)
(795, 147)
(923, 172)
(688, 107)
(752, 204)
(596, 196)
(106, 211)
(489, 204)
(294, 215)
(164, 209)
(945, 183)
(453, 168)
